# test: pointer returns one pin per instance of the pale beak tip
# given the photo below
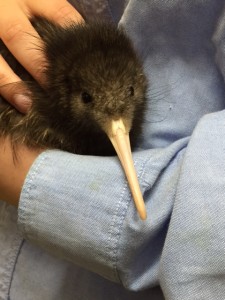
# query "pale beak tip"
(140, 206)
(143, 215)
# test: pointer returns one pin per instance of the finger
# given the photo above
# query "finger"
(60, 11)
(22, 40)
(7, 78)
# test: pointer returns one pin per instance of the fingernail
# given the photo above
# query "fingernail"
(22, 102)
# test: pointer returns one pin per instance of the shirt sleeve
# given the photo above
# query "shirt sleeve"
(80, 208)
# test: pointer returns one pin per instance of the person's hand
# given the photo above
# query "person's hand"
(20, 37)
(13, 170)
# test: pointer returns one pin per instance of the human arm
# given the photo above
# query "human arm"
(80, 209)
(14, 168)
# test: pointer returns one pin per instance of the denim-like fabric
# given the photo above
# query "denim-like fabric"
(193, 260)
(10, 245)
(110, 10)
(79, 208)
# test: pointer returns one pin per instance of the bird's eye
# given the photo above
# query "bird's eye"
(131, 91)
(86, 98)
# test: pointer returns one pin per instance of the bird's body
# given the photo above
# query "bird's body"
(92, 78)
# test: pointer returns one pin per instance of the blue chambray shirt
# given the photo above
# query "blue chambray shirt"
(79, 235)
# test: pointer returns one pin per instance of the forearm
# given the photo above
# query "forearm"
(13, 169)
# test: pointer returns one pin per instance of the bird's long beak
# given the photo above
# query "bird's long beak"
(121, 142)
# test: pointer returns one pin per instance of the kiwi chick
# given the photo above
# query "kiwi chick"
(92, 75)
(92, 100)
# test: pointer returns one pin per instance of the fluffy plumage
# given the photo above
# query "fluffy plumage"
(93, 75)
